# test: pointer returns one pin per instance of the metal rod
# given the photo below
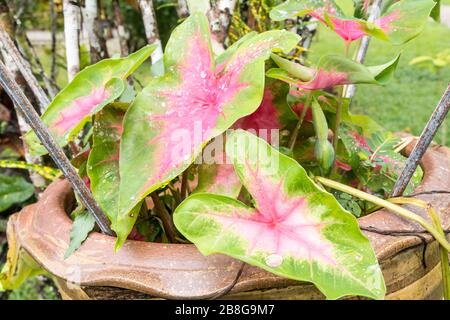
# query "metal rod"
(375, 10)
(421, 147)
(55, 151)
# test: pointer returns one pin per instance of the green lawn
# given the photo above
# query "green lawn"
(408, 100)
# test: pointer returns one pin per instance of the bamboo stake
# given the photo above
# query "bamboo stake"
(55, 151)
(72, 38)
(151, 28)
(427, 135)
(118, 19)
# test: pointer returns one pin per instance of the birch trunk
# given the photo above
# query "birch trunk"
(7, 26)
(225, 9)
(182, 9)
(91, 21)
(121, 31)
(151, 28)
(72, 38)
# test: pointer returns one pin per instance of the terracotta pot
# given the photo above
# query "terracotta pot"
(410, 262)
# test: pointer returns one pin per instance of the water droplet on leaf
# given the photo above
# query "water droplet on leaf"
(274, 260)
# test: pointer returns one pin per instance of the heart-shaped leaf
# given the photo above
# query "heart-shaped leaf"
(333, 70)
(103, 168)
(295, 229)
(90, 90)
(402, 21)
(175, 115)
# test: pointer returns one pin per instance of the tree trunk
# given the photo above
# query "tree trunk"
(91, 21)
(123, 36)
(225, 11)
(151, 28)
(182, 9)
(72, 38)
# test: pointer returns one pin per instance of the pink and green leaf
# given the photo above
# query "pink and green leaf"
(333, 70)
(403, 21)
(295, 229)
(273, 113)
(103, 168)
(177, 114)
(90, 90)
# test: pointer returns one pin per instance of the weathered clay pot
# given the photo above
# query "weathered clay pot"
(409, 257)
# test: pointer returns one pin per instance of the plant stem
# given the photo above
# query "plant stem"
(294, 134)
(337, 124)
(388, 205)
(445, 268)
(165, 217)
(184, 184)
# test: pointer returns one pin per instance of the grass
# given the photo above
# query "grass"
(408, 100)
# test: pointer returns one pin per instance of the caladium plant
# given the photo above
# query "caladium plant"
(295, 229)
(256, 200)
(401, 22)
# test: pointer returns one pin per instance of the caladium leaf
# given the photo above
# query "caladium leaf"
(295, 229)
(103, 168)
(401, 22)
(272, 115)
(333, 70)
(90, 90)
(175, 115)
(218, 179)
(374, 159)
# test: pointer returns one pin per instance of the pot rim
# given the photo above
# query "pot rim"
(179, 270)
